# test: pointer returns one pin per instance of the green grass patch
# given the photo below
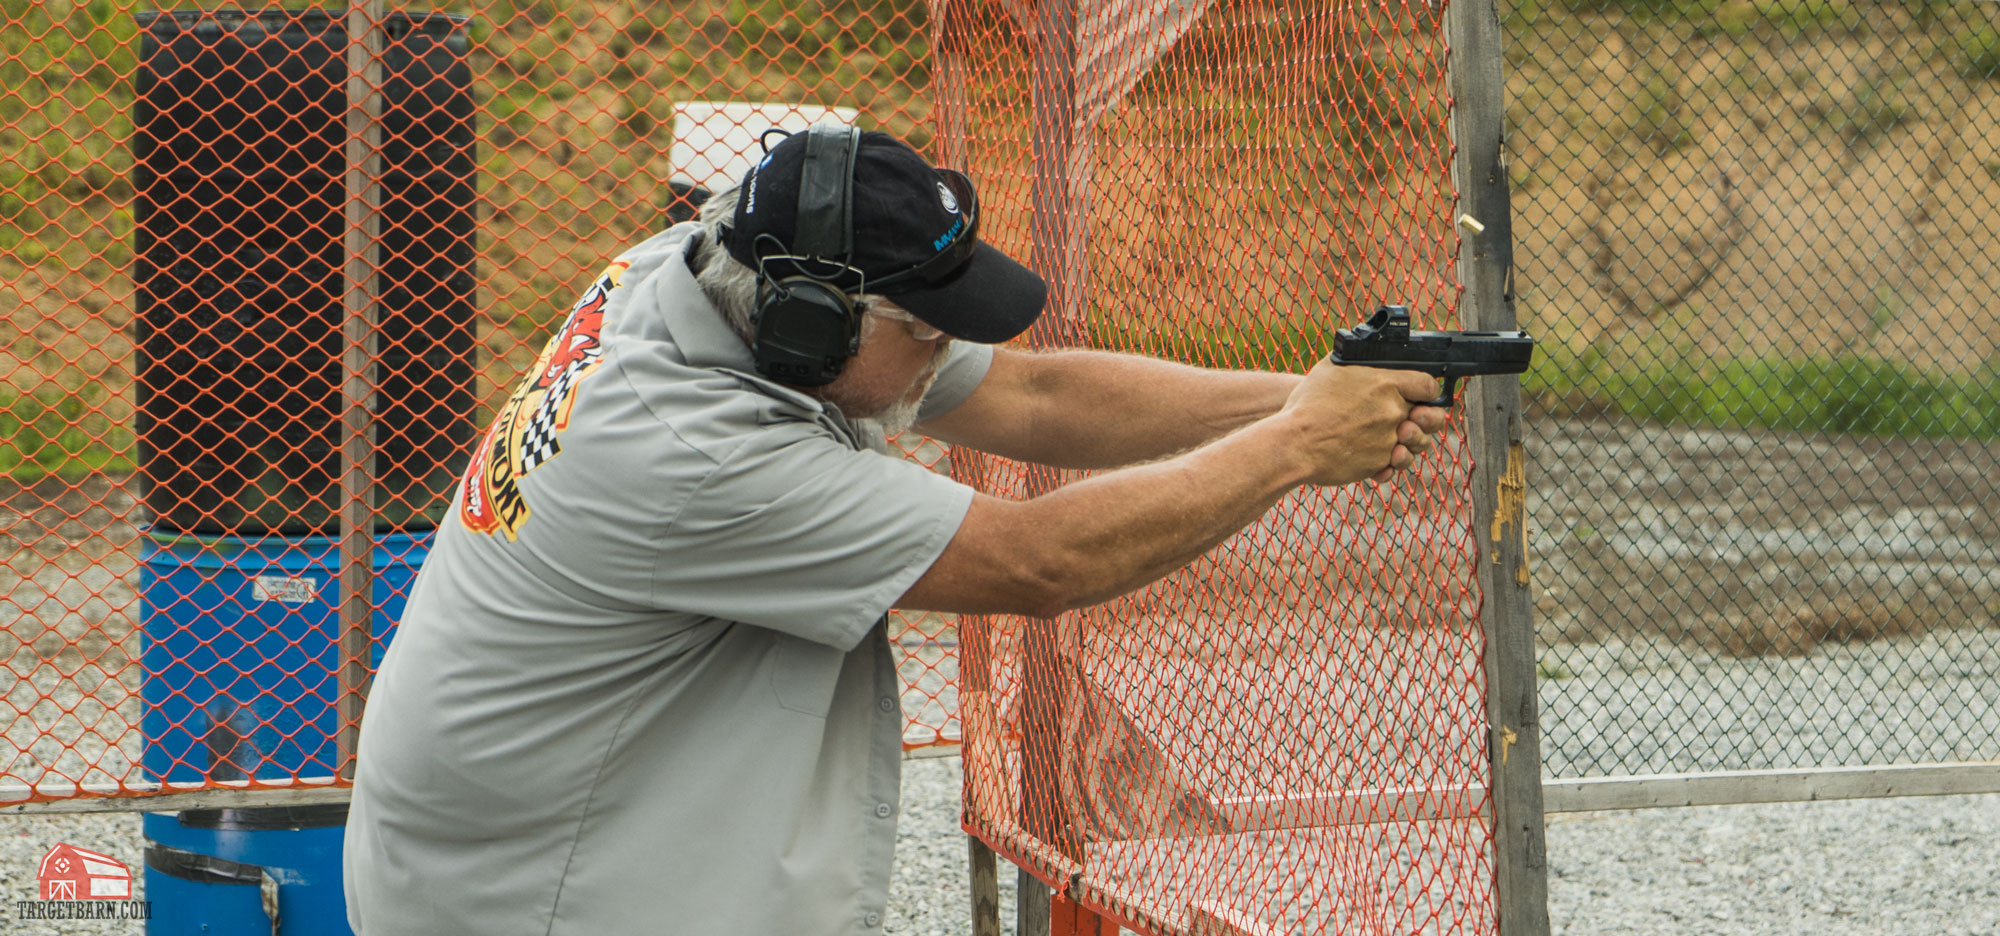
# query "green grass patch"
(1660, 114)
(1645, 9)
(1979, 54)
(1799, 16)
(1850, 394)
(65, 435)
(1872, 108)
(1734, 17)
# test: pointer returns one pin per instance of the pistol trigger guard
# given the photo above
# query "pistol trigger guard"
(1450, 390)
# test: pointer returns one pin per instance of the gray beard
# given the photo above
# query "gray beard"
(899, 417)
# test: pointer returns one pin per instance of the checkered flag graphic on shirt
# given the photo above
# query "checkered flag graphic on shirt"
(538, 440)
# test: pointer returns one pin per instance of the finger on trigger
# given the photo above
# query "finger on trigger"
(1417, 387)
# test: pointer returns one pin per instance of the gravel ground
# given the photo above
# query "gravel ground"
(1912, 866)
(1896, 866)
(1620, 707)
(1904, 866)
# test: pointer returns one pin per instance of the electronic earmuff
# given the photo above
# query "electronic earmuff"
(805, 326)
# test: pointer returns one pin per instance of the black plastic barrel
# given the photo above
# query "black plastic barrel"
(240, 153)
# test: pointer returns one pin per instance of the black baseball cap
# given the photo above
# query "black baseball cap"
(907, 230)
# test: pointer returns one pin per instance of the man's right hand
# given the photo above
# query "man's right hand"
(1353, 423)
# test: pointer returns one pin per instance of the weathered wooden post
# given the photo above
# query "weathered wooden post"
(1499, 479)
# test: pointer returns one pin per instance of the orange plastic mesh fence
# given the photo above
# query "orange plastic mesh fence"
(175, 198)
(1287, 735)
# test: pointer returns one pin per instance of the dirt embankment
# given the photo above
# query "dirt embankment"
(1792, 191)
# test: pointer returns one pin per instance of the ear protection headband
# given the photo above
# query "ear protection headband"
(806, 327)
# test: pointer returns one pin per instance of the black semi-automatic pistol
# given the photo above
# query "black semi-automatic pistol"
(1386, 341)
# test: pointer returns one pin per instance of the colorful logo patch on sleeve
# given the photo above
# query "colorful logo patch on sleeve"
(527, 432)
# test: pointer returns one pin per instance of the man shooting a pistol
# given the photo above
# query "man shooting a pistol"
(643, 685)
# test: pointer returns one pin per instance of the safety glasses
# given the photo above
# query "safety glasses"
(919, 329)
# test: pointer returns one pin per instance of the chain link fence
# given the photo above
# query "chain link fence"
(1758, 241)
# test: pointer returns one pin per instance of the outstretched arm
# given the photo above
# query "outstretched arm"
(1098, 409)
(1101, 537)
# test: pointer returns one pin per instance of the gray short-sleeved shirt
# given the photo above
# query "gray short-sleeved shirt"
(641, 684)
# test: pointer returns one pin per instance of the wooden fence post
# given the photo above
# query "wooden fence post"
(1058, 235)
(357, 440)
(1499, 479)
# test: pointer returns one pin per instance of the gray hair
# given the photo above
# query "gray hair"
(729, 285)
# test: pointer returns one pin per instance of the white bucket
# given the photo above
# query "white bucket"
(715, 142)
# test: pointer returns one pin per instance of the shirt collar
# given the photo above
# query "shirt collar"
(696, 326)
(702, 334)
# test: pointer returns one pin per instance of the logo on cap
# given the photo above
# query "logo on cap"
(950, 201)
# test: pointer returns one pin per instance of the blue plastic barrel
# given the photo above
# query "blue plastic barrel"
(242, 650)
(246, 872)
